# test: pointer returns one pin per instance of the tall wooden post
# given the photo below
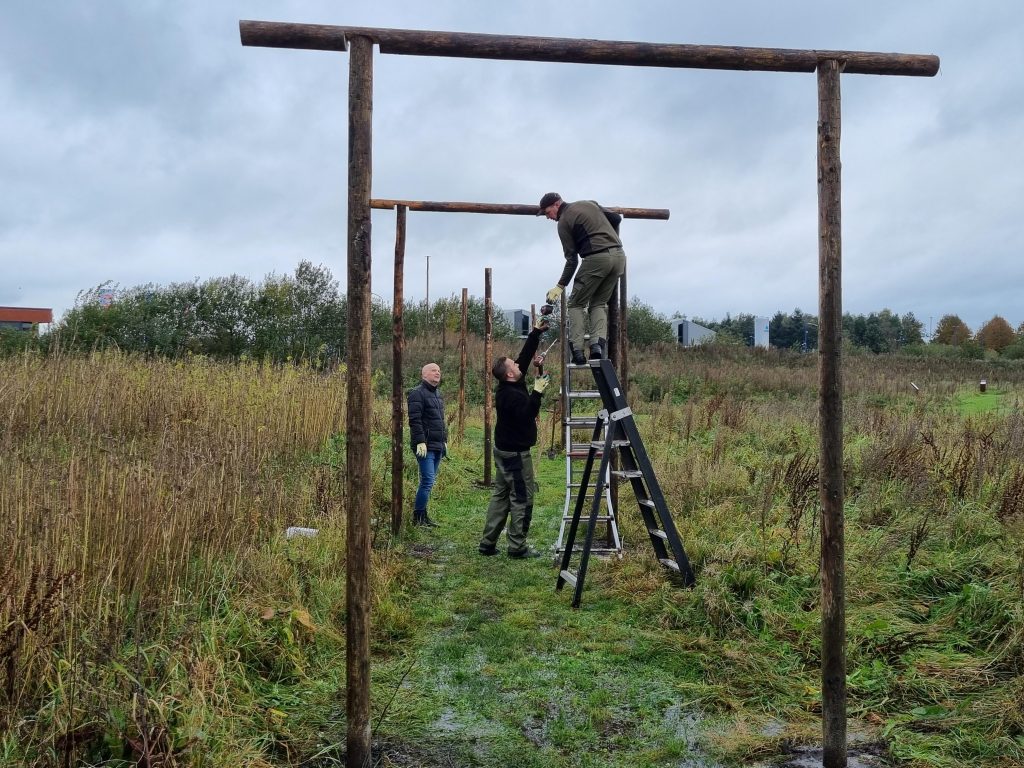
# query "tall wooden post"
(830, 412)
(464, 330)
(612, 342)
(623, 335)
(488, 354)
(397, 395)
(360, 403)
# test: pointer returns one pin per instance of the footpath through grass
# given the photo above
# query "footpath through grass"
(500, 670)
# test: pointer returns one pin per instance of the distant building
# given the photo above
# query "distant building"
(519, 320)
(24, 318)
(761, 332)
(689, 333)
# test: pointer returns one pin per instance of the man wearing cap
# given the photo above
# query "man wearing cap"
(589, 233)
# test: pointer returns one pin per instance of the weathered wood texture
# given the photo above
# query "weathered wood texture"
(359, 405)
(397, 393)
(830, 412)
(463, 336)
(414, 42)
(488, 379)
(508, 209)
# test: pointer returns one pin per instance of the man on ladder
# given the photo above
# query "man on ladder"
(590, 233)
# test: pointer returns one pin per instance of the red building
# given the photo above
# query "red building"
(24, 318)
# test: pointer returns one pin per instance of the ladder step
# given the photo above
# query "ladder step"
(569, 578)
(646, 503)
(589, 394)
(615, 443)
(668, 563)
(600, 518)
(580, 423)
(628, 473)
(659, 533)
(583, 454)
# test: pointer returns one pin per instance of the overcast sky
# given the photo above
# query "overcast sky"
(141, 143)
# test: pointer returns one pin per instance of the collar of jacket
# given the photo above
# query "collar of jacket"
(427, 385)
(561, 210)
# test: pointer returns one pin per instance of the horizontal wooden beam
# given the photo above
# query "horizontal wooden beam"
(469, 45)
(510, 209)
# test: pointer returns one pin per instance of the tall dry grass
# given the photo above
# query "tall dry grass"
(126, 487)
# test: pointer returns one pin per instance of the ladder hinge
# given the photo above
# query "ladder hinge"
(622, 413)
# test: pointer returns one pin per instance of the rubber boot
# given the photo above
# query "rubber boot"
(576, 355)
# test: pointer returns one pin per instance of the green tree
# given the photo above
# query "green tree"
(644, 326)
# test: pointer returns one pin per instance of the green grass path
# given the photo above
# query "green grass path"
(499, 670)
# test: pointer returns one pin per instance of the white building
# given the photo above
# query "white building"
(690, 334)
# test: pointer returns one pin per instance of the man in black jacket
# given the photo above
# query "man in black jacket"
(428, 435)
(515, 432)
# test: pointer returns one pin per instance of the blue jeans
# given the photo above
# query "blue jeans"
(428, 474)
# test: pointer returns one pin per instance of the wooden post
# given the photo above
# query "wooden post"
(533, 315)
(488, 354)
(462, 363)
(359, 405)
(624, 335)
(830, 412)
(612, 349)
(397, 393)
(563, 359)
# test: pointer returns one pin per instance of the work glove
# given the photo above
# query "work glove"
(541, 383)
(445, 452)
(421, 450)
(552, 296)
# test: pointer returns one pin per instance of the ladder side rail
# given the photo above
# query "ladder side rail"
(654, 489)
(578, 509)
(588, 541)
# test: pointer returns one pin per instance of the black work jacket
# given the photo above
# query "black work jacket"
(517, 407)
(426, 417)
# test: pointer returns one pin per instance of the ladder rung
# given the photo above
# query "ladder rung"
(615, 443)
(583, 519)
(569, 578)
(659, 533)
(583, 454)
(668, 563)
(628, 473)
(589, 394)
(646, 503)
(579, 423)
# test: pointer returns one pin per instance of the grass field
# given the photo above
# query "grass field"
(151, 612)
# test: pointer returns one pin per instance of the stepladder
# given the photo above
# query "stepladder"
(579, 420)
(615, 433)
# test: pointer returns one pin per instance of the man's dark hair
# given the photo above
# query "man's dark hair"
(499, 368)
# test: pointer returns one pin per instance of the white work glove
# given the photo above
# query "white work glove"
(552, 296)
(541, 383)
(421, 450)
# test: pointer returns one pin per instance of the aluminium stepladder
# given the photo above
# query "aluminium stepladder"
(620, 432)
(580, 417)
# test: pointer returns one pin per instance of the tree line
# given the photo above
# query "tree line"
(302, 317)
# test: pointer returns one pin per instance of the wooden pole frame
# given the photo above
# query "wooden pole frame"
(397, 393)
(616, 340)
(827, 64)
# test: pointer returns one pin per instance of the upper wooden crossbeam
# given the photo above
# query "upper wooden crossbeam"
(470, 45)
(512, 209)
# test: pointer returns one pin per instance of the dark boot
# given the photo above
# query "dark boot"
(427, 521)
(597, 350)
(578, 358)
(419, 517)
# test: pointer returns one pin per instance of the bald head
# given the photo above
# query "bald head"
(431, 373)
